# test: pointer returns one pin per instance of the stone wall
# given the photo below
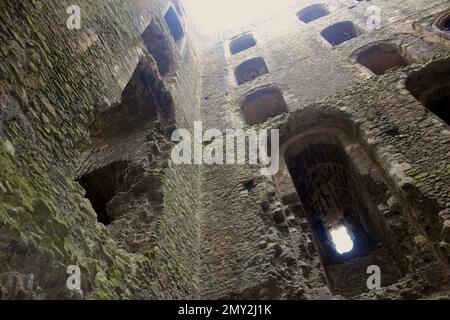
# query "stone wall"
(52, 80)
(86, 177)
(260, 241)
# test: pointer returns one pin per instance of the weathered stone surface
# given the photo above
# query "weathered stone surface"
(52, 79)
(86, 178)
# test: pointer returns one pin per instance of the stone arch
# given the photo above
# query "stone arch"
(443, 22)
(380, 57)
(313, 12)
(431, 87)
(441, 27)
(375, 180)
(250, 70)
(341, 32)
(261, 104)
(325, 167)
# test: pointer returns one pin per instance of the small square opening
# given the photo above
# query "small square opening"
(241, 43)
(174, 24)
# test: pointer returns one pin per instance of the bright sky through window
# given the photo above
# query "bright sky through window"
(341, 239)
(220, 15)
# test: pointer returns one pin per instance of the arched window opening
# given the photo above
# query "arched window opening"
(313, 12)
(344, 221)
(431, 86)
(381, 57)
(241, 43)
(250, 70)
(341, 32)
(261, 104)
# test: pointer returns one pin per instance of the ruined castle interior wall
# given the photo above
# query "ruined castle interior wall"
(335, 193)
(402, 159)
(85, 178)
(92, 105)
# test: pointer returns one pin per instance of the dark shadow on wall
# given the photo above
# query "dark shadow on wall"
(334, 194)
(341, 32)
(122, 170)
(431, 87)
(313, 12)
(382, 56)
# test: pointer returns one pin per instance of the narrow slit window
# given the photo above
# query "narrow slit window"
(174, 24)
(341, 216)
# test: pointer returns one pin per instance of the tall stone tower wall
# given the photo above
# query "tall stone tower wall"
(87, 181)
(93, 107)
(261, 241)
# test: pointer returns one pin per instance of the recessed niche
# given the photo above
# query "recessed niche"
(250, 70)
(347, 229)
(241, 43)
(323, 180)
(158, 45)
(313, 12)
(431, 86)
(174, 24)
(443, 22)
(261, 104)
(381, 57)
(101, 186)
(441, 28)
(179, 8)
(341, 32)
(249, 184)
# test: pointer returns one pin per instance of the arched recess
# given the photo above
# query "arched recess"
(339, 186)
(431, 87)
(341, 32)
(313, 12)
(250, 70)
(406, 221)
(261, 104)
(441, 27)
(382, 56)
(159, 46)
